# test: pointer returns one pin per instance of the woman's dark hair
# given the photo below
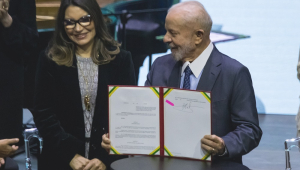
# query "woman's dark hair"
(61, 49)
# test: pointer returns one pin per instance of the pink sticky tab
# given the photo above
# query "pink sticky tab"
(170, 103)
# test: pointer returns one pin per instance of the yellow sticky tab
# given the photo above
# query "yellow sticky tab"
(206, 96)
(206, 156)
(154, 151)
(168, 152)
(167, 92)
(113, 90)
(114, 150)
(155, 91)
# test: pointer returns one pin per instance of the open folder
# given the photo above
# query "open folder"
(159, 121)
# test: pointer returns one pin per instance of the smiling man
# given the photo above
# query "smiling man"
(196, 64)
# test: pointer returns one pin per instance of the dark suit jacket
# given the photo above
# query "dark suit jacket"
(58, 112)
(234, 114)
(17, 43)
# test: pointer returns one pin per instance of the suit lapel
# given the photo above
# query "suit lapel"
(103, 81)
(70, 79)
(75, 81)
(106, 76)
(174, 79)
(211, 71)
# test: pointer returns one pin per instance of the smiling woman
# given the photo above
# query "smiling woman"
(80, 28)
(91, 40)
(71, 88)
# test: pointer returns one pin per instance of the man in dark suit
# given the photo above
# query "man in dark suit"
(196, 64)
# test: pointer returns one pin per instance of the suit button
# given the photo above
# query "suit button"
(94, 129)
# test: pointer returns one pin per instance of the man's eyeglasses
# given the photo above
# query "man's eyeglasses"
(83, 21)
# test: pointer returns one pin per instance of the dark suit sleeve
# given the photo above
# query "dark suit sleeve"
(45, 113)
(23, 29)
(247, 133)
(19, 34)
(21, 37)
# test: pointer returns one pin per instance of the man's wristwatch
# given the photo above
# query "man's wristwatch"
(225, 152)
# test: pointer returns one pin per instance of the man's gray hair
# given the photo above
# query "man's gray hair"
(196, 14)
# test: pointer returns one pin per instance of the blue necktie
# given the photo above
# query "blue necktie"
(186, 81)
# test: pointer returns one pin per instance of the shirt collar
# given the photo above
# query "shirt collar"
(198, 64)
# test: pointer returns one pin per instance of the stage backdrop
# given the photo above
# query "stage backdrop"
(271, 54)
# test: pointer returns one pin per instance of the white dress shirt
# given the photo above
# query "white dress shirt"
(197, 67)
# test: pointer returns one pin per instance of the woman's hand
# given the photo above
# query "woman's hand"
(95, 164)
(5, 18)
(79, 162)
(106, 142)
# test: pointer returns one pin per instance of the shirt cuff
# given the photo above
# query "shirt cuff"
(225, 152)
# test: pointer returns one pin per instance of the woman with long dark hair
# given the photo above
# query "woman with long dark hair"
(71, 100)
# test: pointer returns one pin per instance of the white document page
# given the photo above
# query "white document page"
(187, 118)
(134, 120)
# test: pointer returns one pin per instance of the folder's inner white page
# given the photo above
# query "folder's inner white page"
(187, 119)
(134, 120)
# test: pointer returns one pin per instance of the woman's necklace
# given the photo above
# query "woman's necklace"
(87, 97)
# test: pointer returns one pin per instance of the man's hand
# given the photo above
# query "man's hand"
(78, 162)
(5, 18)
(5, 148)
(2, 162)
(213, 144)
(95, 164)
(106, 142)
